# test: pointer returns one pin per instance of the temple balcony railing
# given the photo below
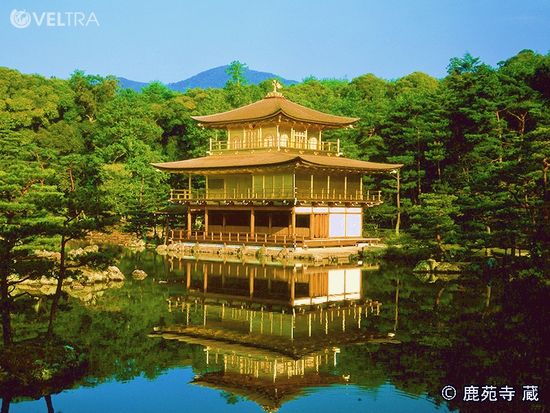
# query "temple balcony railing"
(276, 194)
(178, 235)
(246, 237)
(252, 144)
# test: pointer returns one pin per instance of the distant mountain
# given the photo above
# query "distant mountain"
(130, 84)
(216, 78)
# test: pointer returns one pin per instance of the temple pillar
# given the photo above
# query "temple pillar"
(205, 278)
(293, 223)
(251, 283)
(344, 320)
(189, 223)
(166, 230)
(345, 187)
(252, 221)
(292, 324)
(292, 288)
(206, 220)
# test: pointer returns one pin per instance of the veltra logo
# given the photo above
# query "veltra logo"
(21, 19)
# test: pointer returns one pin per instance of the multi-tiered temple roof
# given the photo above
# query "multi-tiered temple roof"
(274, 105)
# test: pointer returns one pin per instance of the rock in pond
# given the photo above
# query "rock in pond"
(139, 275)
(115, 274)
(432, 265)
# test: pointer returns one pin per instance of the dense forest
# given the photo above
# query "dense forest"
(75, 154)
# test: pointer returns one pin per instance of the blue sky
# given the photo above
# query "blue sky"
(170, 40)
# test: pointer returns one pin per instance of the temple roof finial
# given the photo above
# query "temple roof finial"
(275, 92)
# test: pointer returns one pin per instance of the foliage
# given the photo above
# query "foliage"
(433, 221)
(480, 134)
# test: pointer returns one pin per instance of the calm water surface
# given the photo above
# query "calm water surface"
(197, 336)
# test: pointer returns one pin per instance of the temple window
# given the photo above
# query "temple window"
(280, 219)
(262, 219)
(300, 139)
(302, 221)
(237, 219)
(236, 142)
(215, 218)
(250, 138)
(313, 143)
(215, 183)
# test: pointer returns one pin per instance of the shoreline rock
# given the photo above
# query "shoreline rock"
(432, 266)
(87, 287)
(139, 275)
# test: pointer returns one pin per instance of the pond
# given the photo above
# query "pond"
(213, 336)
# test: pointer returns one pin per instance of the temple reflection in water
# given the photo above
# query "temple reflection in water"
(269, 332)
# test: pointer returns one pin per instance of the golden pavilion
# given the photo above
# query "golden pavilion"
(274, 180)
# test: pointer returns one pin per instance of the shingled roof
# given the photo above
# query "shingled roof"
(245, 161)
(270, 107)
(270, 396)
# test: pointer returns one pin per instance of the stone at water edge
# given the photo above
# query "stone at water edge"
(451, 267)
(48, 254)
(162, 249)
(83, 251)
(139, 275)
(115, 274)
(91, 276)
(428, 265)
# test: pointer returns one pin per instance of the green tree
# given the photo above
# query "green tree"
(78, 211)
(236, 72)
(237, 91)
(433, 221)
(26, 194)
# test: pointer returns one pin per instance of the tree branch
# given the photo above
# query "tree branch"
(10, 283)
(15, 297)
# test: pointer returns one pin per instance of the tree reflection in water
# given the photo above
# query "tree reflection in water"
(455, 332)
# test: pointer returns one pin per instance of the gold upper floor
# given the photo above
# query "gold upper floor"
(280, 137)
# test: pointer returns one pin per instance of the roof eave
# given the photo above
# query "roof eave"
(377, 169)
(224, 169)
(203, 121)
(284, 163)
